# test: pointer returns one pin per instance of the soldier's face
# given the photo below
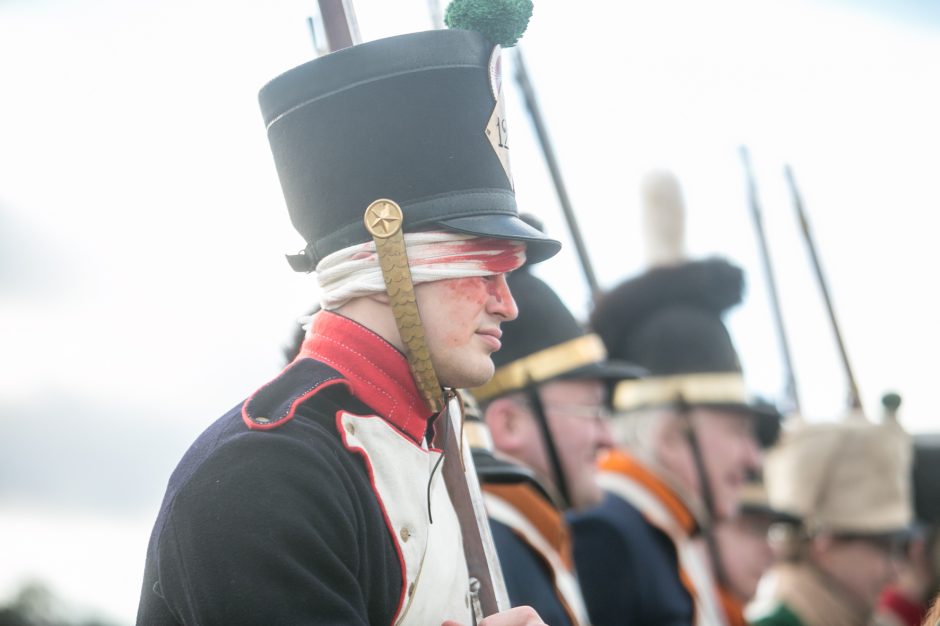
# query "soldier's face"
(578, 422)
(863, 566)
(745, 552)
(729, 451)
(461, 318)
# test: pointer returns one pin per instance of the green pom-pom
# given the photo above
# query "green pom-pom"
(891, 401)
(500, 21)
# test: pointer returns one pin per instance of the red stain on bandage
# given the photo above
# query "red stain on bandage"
(496, 256)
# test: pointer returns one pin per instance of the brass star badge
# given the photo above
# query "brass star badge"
(383, 218)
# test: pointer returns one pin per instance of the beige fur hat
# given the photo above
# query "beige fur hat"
(847, 477)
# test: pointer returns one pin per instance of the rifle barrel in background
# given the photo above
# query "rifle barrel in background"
(535, 113)
(855, 401)
(792, 393)
(339, 22)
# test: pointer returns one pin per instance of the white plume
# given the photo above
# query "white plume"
(663, 219)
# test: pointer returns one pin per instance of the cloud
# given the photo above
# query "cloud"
(30, 266)
(64, 451)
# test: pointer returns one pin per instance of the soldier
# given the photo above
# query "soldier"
(744, 550)
(905, 602)
(685, 437)
(848, 483)
(320, 499)
(545, 408)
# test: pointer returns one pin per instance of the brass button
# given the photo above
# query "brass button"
(350, 428)
(405, 533)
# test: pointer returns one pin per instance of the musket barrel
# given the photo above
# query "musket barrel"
(791, 388)
(854, 397)
(464, 489)
(541, 131)
(339, 24)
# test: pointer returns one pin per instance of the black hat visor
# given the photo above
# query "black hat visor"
(506, 226)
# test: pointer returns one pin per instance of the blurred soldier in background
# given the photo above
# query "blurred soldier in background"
(744, 549)
(848, 483)
(546, 409)
(685, 435)
(905, 602)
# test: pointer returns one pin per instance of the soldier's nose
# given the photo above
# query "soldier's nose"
(501, 301)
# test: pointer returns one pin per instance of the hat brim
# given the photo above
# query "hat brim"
(774, 516)
(897, 536)
(766, 418)
(605, 371)
(505, 226)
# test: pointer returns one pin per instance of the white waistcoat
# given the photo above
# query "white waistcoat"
(434, 577)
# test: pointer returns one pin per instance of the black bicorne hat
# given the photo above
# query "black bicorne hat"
(546, 343)
(413, 118)
(669, 320)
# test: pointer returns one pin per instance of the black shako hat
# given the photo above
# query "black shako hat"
(414, 118)
(926, 487)
(668, 320)
(545, 342)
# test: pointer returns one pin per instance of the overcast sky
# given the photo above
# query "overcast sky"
(143, 289)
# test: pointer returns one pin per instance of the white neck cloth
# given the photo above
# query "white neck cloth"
(433, 255)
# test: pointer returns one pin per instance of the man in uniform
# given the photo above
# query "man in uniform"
(320, 499)
(685, 436)
(545, 408)
(744, 550)
(905, 602)
(849, 484)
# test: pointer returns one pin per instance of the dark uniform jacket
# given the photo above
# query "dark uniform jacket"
(635, 557)
(309, 503)
(534, 546)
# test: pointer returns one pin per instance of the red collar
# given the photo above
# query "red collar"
(377, 372)
(893, 602)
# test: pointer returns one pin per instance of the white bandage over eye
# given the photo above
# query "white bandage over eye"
(433, 255)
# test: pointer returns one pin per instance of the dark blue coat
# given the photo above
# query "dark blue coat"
(528, 577)
(273, 526)
(629, 570)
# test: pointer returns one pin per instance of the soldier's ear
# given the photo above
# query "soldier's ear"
(672, 431)
(669, 443)
(509, 424)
